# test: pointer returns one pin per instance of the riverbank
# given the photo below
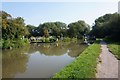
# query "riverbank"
(52, 39)
(84, 66)
(17, 43)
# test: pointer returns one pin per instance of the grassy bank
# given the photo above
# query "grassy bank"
(114, 47)
(83, 66)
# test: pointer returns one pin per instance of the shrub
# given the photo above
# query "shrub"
(52, 39)
(43, 39)
(66, 39)
(47, 40)
(74, 39)
(6, 44)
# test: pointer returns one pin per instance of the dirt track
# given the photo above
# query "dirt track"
(108, 64)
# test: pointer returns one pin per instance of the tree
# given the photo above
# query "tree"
(32, 30)
(45, 31)
(107, 25)
(12, 27)
(52, 28)
(78, 29)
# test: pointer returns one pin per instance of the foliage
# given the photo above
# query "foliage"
(60, 29)
(51, 29)
(47, 40)
(8, 44)
(1, 42)
(32, 30)
(44, 39)
(45, 32)
(74, 39)
(66, 39)
(12, 27)
(78, 29)
(83, 66)
(107, 25)
(13, 30)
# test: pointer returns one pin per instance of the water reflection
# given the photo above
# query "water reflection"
(14, 61)
(48, 49)
(39, 60)
(57, 49)
(75, 49)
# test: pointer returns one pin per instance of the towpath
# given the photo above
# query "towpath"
(108, 64)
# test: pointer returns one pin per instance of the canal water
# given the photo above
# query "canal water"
(40, 60)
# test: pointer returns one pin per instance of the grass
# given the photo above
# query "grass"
(114, 47)
(84, 66)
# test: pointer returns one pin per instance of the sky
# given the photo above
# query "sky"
(36, 13)
(59, 0)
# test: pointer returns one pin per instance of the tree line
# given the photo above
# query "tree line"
(60, 29)
(14, 29)
(107, 26)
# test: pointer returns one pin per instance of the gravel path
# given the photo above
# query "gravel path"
(108, 64)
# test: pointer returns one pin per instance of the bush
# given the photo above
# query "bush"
(66, 39)
(52, 39)
(6, 44)
(1, 42)
(47, 40)
(74, 39)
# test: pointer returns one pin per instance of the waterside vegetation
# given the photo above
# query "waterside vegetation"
(84, 66)
(16, 33)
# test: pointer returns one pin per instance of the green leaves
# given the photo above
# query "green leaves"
(107, 25)
(12, 27)
(78, 29)
(60, 29)
(13, 30)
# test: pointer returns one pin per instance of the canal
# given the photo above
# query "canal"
(39, 60)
